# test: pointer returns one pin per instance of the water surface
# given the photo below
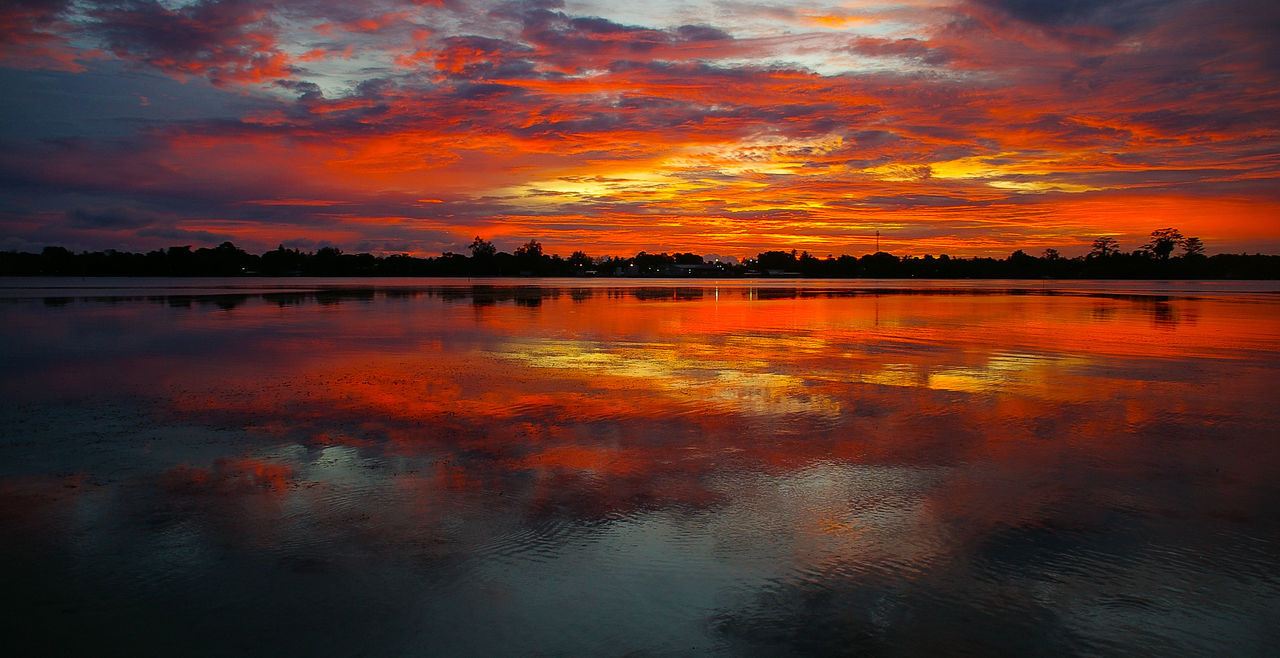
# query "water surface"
(329, 467)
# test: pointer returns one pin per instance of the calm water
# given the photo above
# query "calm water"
(644, 468)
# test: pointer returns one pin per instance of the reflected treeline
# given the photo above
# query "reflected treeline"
(533, 297)
(229, 260)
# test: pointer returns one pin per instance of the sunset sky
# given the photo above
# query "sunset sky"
(973, 127)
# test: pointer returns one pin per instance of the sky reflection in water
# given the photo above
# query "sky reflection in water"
(468, 469)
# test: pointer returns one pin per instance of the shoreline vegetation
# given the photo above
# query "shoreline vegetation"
(1154, 260)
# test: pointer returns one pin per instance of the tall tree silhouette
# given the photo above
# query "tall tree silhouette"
(1163, 240)
(481, 248)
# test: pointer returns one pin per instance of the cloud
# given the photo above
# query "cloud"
(307, 91)
(224, 40)
(530, 119)
(1117, 15)
(195, 237)
(109, 219)
(909, 48)
(701, 33)
(476, 57)
(34, 34)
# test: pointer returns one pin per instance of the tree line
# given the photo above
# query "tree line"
(1168, 254)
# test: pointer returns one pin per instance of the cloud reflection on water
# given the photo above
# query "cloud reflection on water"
(795, 470)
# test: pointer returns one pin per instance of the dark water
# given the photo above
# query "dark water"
(229, 467)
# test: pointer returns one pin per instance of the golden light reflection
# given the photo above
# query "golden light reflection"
(578, 383)
(1030, 373)
(671, 369)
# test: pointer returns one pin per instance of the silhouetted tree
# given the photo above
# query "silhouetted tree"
(57, 260)
(1104, 246)
(780, 261)
(879, 264)
(650, 264)
(1021, 264)
(282, 261)
(529, 259)
(224, 260)
(1163, 240)
(1193, 247)
(481, 248)
(530, 249)
(61, 253)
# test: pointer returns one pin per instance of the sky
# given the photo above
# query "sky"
(970, 127)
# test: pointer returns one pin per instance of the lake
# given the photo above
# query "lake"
(641, 467)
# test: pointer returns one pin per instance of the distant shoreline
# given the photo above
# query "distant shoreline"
(227, 260)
